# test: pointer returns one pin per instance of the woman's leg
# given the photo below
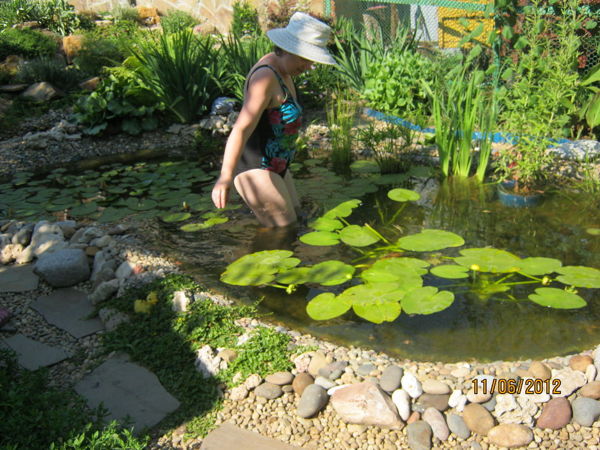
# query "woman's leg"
(268, 196)
(291, 187)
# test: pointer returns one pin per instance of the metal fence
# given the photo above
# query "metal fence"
(443, 23)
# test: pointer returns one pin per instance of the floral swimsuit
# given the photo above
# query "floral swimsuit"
(272, 145)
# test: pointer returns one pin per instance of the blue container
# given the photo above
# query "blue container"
(508, 197)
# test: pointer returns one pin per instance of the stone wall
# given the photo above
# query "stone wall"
(215, 12)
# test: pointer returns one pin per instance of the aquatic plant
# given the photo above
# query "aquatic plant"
(379, 291)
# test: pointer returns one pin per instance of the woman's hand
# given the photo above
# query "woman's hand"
(220, 192)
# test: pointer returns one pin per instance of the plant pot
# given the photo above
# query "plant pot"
(508, 196)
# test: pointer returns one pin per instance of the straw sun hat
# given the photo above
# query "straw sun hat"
(304, 36)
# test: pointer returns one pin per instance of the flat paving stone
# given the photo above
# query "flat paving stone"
(127, 389)
(32, 354)
(18, 278)
(67, 309)
(228, 437)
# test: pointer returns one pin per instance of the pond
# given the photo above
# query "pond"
(474, 327)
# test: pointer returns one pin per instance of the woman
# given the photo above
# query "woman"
(261, 144)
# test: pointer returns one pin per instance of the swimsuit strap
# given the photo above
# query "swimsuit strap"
(283, 86)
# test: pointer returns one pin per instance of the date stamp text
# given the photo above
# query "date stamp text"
(513, 386)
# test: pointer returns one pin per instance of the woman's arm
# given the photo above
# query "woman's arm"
(257, 99)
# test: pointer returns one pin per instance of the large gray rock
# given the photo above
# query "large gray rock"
(585, 411)
(18, 279)
(63, 268)
(391, 378)
(457, 425)
(366, 404)
(419, 435)
(40, 92)
(313, 399)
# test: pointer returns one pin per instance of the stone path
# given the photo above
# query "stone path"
(18, 278)
(228, 437)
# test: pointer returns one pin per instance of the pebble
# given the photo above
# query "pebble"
(570, 381)
(325, 382)
(432, 386)
(510, 435)
(280, 378)
(313, 399)
(439, 402)
(436, 421)
(585, 411)
(540, 370)
(391, 378)
(457, 425)
(580, 362)
(301, 381)
(268, 390)
(411, 385)
(556, 414)
(478, 419)
(402, 401)
(365, 369)
(419, 435)
(591, 390)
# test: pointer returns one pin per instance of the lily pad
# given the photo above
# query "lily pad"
(593, 231)
(296, 275)
(330, 273)
(579, 276)
(394, 270)
(430, 240)
(389, 178)
(320, 238)
(403, 195)
(258, 268)
(364, 166)
(343, 209)
(141, 205)
(557, 298)
(325, 224)
(112, 214)
(426, 300)
(489, 260)
(450, 271)
(326, 306)
(84, 209)
(539, 266)
(176, 217)
(358, 236)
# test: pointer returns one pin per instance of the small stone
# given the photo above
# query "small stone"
(181, 302)
(585, 411)
(227, 355)
(510, 435)
(268, 390)
(439, 402)
(580, 362)
(104, 291)
(490, 405)
(540, 370)
(436, 421)
(556, 414)
(402, 401)
(457, 425)
(391, 378)
(435, 387)
(570, 381)
(460, 372)
(419, 435)
(238, 393)
(414, 416)
(478, 419)
(591, 390)
(317, 362)
(325, 383)
(457, 400)
(411, 385)
(280, 378)
(301, 381)
(313, 399)
(252, 381)
(365, 369)
(591, 372)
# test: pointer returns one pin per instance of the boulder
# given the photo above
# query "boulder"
(63, 268)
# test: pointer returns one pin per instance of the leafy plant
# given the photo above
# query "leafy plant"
(26, 43)
(109, 438)
(245, 20)
(56, 15)
(124, 13)
(390, 145)
(184, 71)
(590, 110)
(51, 70)
(341, 112)
(379, 291)
(175, 21)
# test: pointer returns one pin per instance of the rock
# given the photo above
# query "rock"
(436, 421)
(522, 411)
(556, 414)
(510, 435)
(419, 435)
(63, 268)
(570, 381)
(461, 372)
(40, 92)
(585, 411)
(10, 252)
(227, 355)
(313, 399)
(411, 385)
(505, 403)
(280, 378)
(457, 425)
(457, 400)
(90, 84)
(591, 372)
(301, 381)
(482, 395)
(365, 369)
(253, 381)
(435, 387)
(317, 362)
(366, 404)
(402, 401)
(478, 419)
(540, 370)
(580, 150)
(207, 363)
(23, 236)
(238, 393)
(490, 405)
(591, 390)
(439, 402)
(391, 378)
(334, 370)
(111, 318)
(104, 291)
(414, 416)
(125, 270)
(180, 301)
(580, 362)
(269, 391)
(325, 383)
(101, 242)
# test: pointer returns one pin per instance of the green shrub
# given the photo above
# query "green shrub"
(175, 21)
(245, 19)
(26, 43)
(125, 13)
(15, 11)
(51, 70)
(110, 438)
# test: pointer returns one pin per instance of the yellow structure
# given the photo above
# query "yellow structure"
(451, 24)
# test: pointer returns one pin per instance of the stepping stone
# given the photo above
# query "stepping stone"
(127, 389)
(228, 436)
(68, 309)
(33, 354)
(18, 278)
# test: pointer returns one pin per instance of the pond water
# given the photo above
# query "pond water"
(472, 328)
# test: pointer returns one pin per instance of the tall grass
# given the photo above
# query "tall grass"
(341, 111)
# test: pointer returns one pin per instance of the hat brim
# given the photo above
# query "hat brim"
(291, 44)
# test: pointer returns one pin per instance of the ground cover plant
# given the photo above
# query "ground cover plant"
(388, 275)
(26, 43)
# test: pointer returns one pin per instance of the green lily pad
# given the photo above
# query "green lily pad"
(176, 217)
(112, 214)
(326, 306)
(450, 271)
(489, 260)
(330, 273)
(215, 221)
(258, 268)
(296, 275)
(343, 209)
(358, 236)
(373, 302)
(389, 178)
(191, 227)
(84, 209)
(430, 240)
(140, 205)
(557, 298)
(579, 276)
(403, 195)
(321, 238)
(364, 166)
(593, 231)
(312, 162)
(325, 224)
(426, 300)
(539, 266)
(400, 271)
